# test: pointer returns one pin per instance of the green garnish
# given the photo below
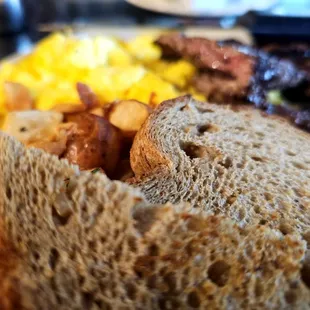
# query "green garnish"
(275, 97)
(96, 170)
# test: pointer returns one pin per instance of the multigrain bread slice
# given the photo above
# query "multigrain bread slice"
(228, 160)
(97, 244)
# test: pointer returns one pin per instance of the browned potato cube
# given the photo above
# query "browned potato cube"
(97, 143)
(128, 116)
(17, 96)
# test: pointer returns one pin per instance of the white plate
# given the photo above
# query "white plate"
(199, 8)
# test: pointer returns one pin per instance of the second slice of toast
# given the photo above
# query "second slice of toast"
(231, 160)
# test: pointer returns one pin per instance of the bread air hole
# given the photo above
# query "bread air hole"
(226, 162)
(167, 302)
(211, 128)
(185, 108)
(152, 282)
(218, 273)
(291, 296)
(259, 159)
(204, 110)
(53, 258)
(132, 244)
(305, 270)
(240, 128)
(259, 288)
(290, 153)
(131, 291)
(36, 255)
(194, 151)
(58, 219)
(99, 303)
(268, 196)
(170, 281)
(8, 193)
(260, 134)
(257, 145)
(81, 280)
(193, 299)
(299, 165)
(153, 250)
(285, 228)
(87, 300)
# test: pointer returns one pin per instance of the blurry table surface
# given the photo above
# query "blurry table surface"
(99, 12)
(266, 28)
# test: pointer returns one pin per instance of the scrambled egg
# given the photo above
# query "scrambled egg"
(111, 83)
(143, 49)
(112, 68)
(148, 85)
(178, 73)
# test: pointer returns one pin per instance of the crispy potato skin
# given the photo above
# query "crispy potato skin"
(87, 96)
(18, 97)
(96, 144)
(128, 116)
(33, 125)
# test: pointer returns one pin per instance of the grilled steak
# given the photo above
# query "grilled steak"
(219, 87)
(230, 72)
(217, 63)
(250, 73)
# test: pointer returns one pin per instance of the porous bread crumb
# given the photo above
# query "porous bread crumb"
(107, 248)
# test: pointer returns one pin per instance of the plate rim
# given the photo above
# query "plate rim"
(151, 6)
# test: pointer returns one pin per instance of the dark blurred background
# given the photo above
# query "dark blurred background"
(23, 22)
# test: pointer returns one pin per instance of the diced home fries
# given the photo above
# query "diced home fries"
(84, 99)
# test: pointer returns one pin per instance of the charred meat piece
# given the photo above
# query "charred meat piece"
(252, 72)
(291, 70)
(270, 73)
(218, 87)
(225, 62)
(230, 71)
(299, 54)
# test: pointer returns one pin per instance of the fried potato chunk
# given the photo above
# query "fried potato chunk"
(96, 144)
(18, 97)
(128, 116)
(30, 126)
(56, 144)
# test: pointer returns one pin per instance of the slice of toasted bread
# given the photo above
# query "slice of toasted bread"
(228, 160)
(79, 241)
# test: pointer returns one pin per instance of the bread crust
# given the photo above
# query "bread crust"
(146, 155)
